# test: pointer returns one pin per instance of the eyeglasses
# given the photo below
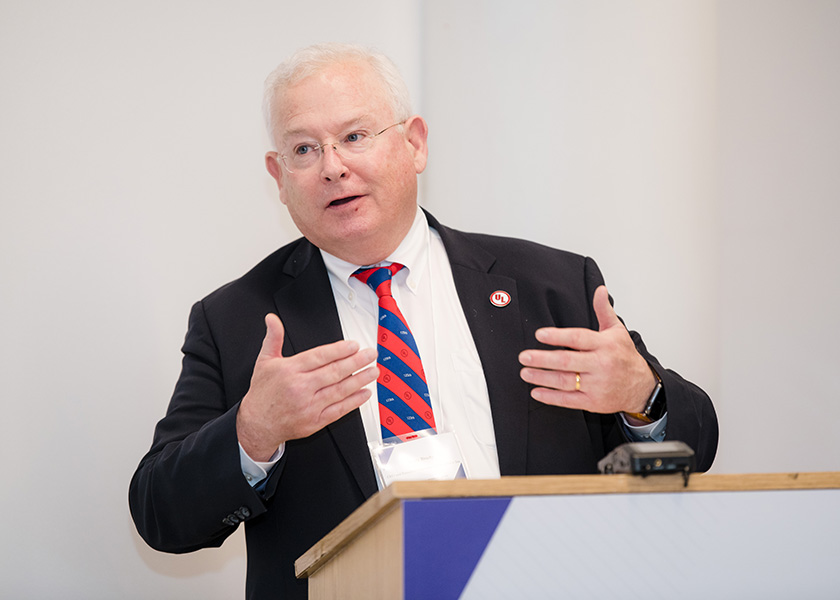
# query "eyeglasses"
(306, 154)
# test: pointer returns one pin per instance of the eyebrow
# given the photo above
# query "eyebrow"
(349, 124)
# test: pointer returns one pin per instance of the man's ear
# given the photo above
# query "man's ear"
(272, 165)
(417, 133)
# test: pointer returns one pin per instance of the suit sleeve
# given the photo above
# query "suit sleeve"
(189, 491)
(691, 416)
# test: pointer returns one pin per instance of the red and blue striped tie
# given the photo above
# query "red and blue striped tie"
(405, 406)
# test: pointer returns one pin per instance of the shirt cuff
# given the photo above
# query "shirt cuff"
(254, 471)
(650, 432)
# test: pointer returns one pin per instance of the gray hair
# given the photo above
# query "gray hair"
(310, 60)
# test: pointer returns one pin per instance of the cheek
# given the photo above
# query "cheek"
(404, 179)
(293, 195)
(400, 174)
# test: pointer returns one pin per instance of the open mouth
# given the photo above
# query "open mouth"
(342, 201)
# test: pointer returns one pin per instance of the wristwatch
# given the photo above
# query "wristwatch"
(655, 406)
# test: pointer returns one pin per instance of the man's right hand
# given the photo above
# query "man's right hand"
(295, 396)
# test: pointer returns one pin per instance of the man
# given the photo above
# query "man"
(274, 419)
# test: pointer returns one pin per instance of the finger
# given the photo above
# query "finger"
(348, 386)
(576, 338)
(339, 370)
(557, 360)
(557, 380)
(274, 333)
(604, 310)
(573, 400)
(315, 358)
(336, 410)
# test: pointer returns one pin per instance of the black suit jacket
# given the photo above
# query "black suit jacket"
(189, 491)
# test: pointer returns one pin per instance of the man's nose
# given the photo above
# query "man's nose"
(332, 164)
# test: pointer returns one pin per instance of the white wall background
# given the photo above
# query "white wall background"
(691, 148)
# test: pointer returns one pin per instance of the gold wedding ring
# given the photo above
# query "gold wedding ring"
(577, 382)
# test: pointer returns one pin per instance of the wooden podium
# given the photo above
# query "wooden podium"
(590, 536)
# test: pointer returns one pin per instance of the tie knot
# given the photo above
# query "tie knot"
(378, 278)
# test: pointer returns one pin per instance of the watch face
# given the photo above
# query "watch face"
(656, 405)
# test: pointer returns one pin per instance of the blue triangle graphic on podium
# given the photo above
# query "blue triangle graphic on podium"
(443, 541)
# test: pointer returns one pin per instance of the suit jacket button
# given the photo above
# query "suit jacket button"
(244, 512)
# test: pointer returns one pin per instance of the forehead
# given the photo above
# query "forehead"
(333, 97)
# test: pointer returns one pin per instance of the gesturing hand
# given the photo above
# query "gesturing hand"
(613, 376)
(293, 397)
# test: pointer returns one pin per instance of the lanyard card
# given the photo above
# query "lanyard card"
(435, 457)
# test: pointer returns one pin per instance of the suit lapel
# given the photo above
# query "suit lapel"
(309, 315)
(498, 336)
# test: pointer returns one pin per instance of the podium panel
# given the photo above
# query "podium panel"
(729, 536)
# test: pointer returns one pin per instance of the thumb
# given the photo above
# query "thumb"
(604, 310)
(274, 333)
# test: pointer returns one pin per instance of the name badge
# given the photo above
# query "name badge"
(433, 457)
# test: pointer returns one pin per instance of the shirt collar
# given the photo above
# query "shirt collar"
(413, 253)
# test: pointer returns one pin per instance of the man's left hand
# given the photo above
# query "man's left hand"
(606, 367)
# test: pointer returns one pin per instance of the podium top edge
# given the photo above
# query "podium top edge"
(610, 484)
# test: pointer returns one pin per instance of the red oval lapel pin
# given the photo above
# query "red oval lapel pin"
(500, 298)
